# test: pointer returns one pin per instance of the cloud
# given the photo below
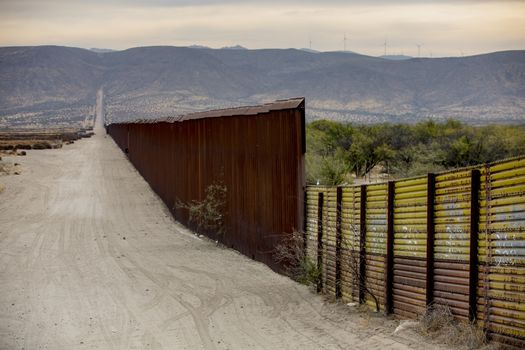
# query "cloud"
(445, 28)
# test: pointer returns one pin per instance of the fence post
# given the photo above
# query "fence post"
(389, 268)
(338, 241)
(320, 201)
(473, 261)
(431, 191)
(305, 221)
(362, 245)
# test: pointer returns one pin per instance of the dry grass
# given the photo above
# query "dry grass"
(440, 325)
(4, 169)
(291, 256)
(8, 168)
(8, 145)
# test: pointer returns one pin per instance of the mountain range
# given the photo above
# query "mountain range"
(58, 85)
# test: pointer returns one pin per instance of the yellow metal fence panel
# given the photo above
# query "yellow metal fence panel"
(350, 225)
(410, 247)
(329, 241)
(452, 241)
(312, 194)
(501, 287)
(375, 242)
(501, 244)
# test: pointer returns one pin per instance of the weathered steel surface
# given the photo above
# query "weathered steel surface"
(312, 223)
(501, 291)
(452, 241)
(350, 219)
(474, 239)
(258, 156)
(476, 265)
(410, 240)
(389, 267)
(376, 236)
(320, 237)
(338, 243)
(329, 241)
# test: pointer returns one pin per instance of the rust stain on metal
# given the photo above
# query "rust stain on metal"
(256, 152)
(477, 262)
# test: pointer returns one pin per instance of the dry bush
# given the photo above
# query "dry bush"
(42, 145)
(5, 168)
(209, 213)
(439, 324)
(22, 146)
(290, 253)
(354, 264)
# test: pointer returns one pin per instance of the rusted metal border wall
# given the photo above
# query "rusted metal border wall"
(257, 156)
(456, 238)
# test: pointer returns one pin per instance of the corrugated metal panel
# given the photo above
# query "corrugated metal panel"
(350, 224)
(410, 247)
(501, 292)
(312, 223)
(375, 246)
(329, 241)
(501, 245)
(452, 241)
(259, 159)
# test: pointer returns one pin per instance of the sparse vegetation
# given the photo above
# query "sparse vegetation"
(39, 138)
(7, 168)
(42, 145)
(337, 153)
(291, 255)
(439, 324)
(359, 280)
(208, 214)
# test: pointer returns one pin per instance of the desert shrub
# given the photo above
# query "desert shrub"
(439, 324)
(41, 145)
(22, 146)
(209, 213)
(290, 254)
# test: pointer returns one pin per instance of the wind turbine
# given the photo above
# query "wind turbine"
(419, 49)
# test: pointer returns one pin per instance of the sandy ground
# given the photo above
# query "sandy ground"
(91, 259)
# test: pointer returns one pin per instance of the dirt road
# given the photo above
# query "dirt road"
(91, 259)
(99, 118)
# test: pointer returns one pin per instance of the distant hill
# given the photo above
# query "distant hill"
(235, 47)
(94, 49)
(52, 83)
(396, 57)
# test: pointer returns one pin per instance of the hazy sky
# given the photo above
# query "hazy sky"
(444, 28)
